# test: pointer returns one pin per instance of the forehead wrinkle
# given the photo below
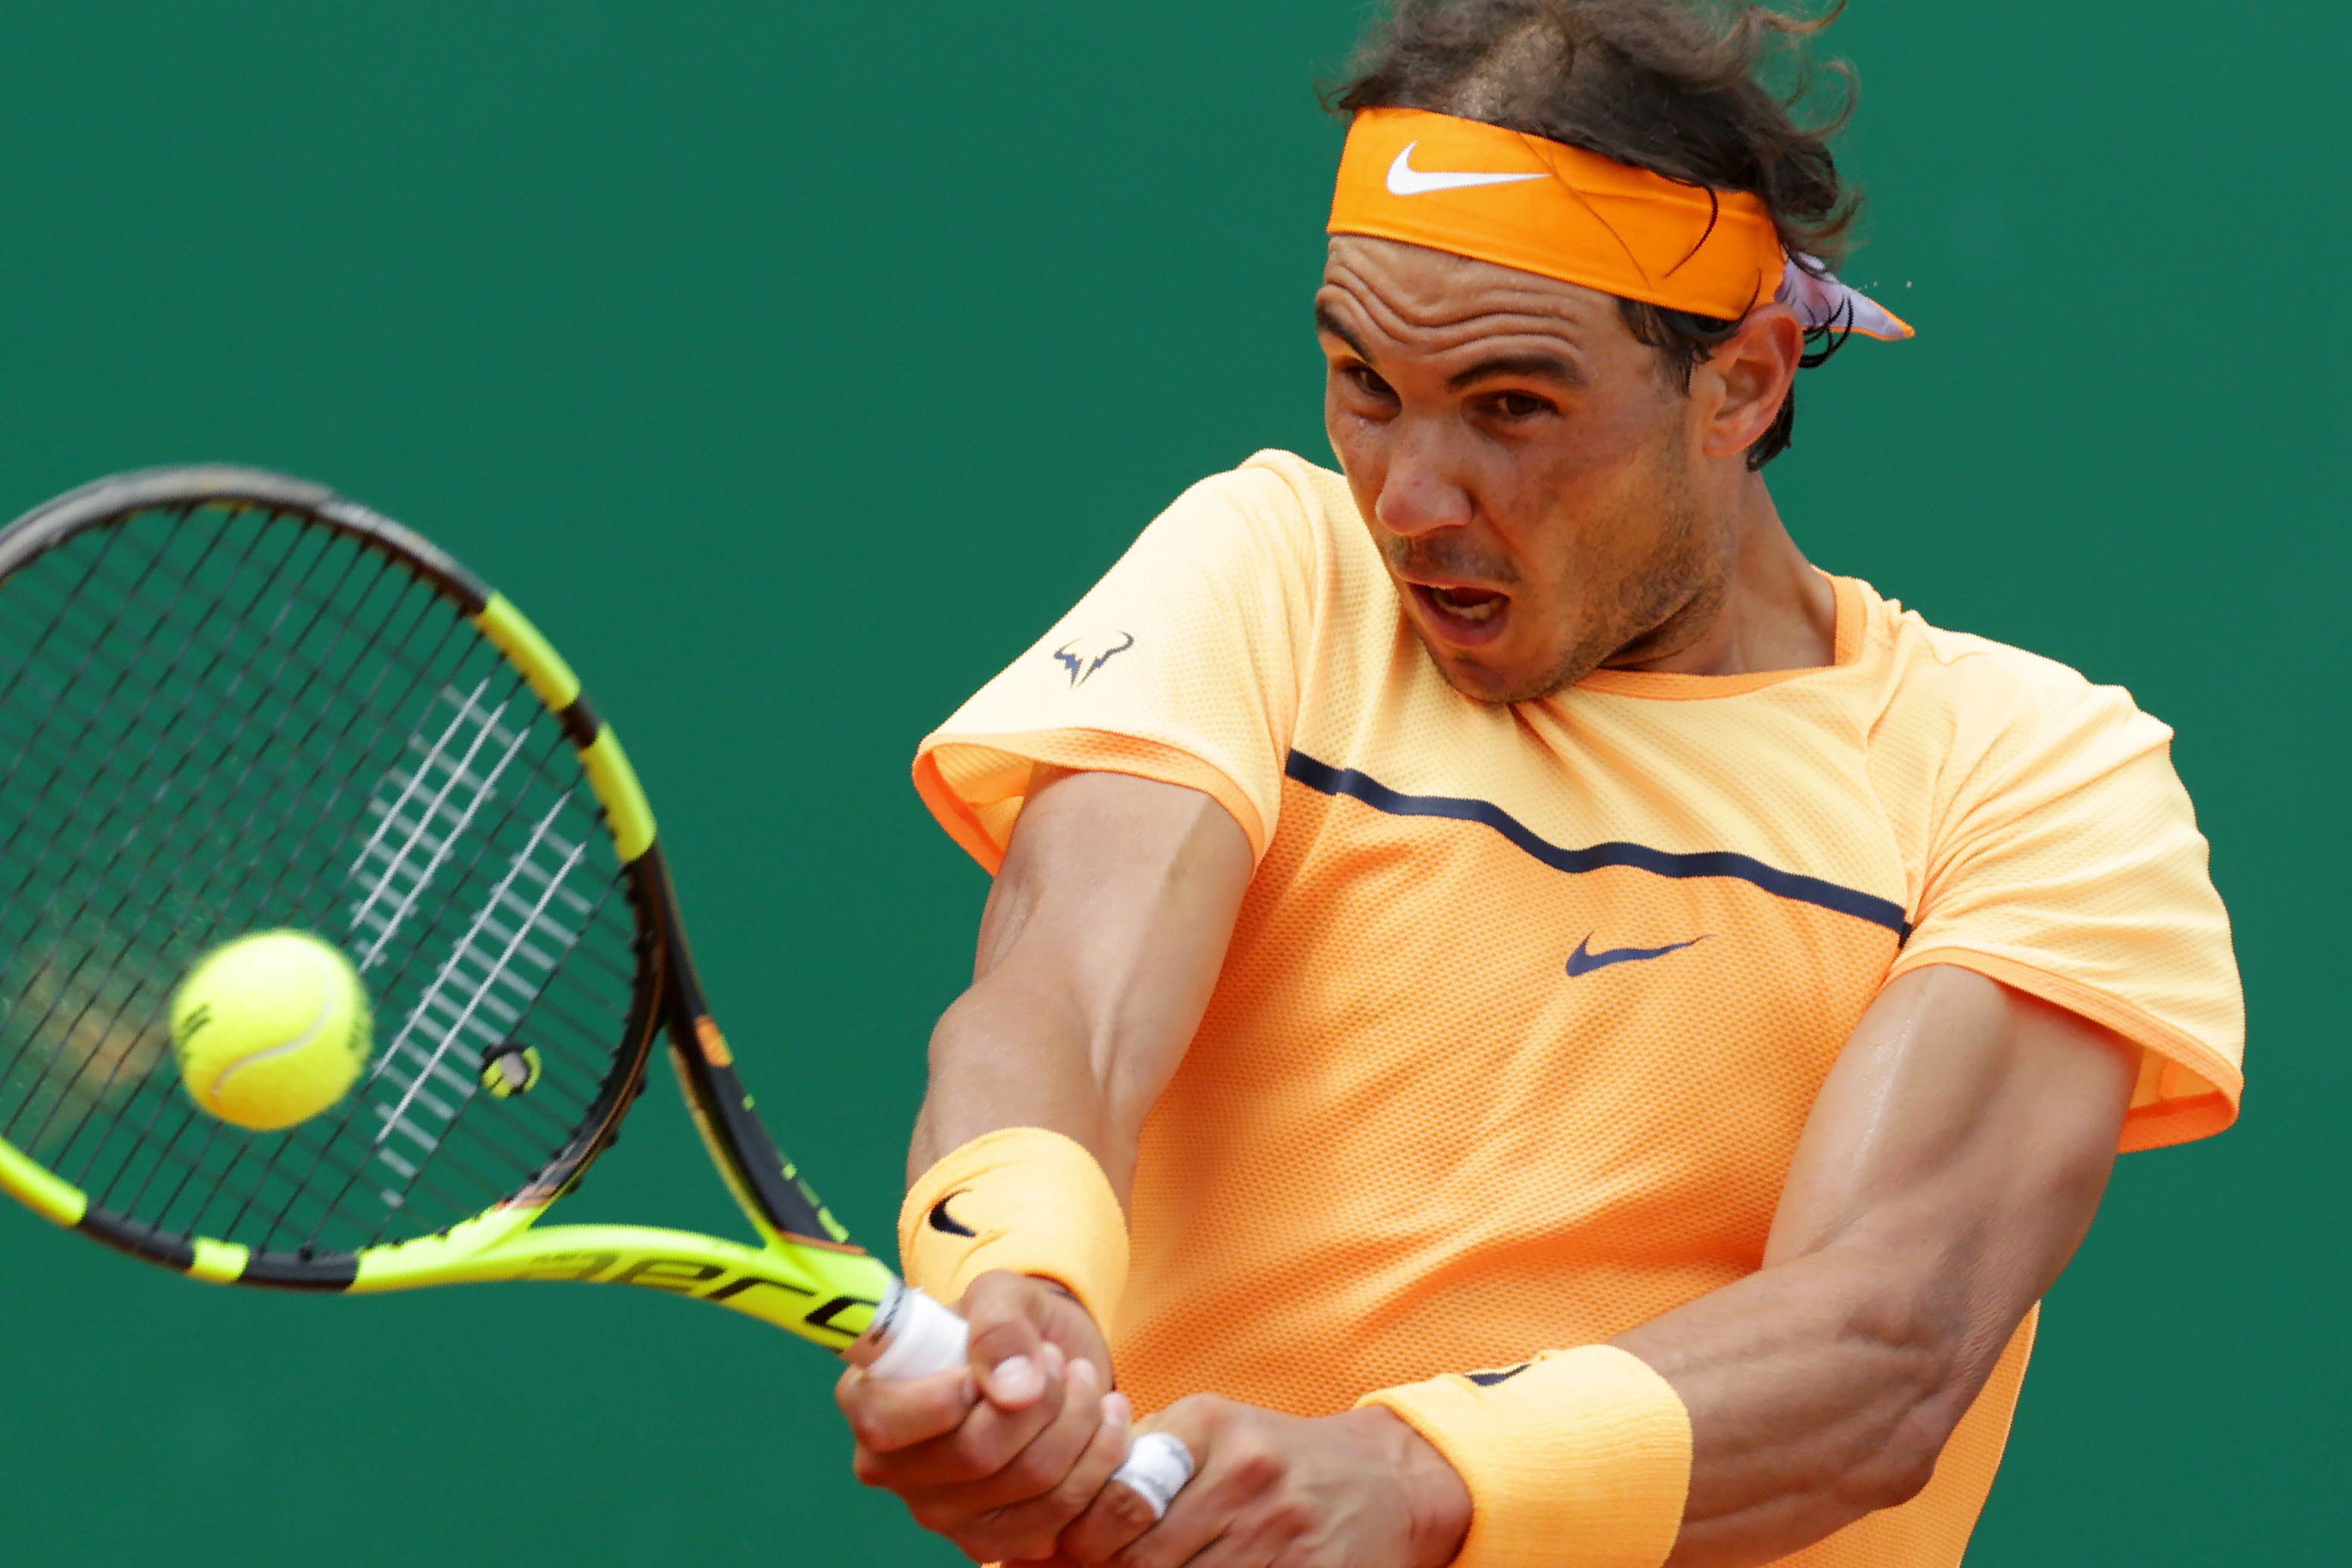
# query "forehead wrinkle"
(1394, 268)
(1496, 306)
(1489, 331)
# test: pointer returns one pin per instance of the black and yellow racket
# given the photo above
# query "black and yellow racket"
(233, 702)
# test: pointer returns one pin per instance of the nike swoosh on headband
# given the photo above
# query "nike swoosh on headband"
(941, 1221)
(1404, 180)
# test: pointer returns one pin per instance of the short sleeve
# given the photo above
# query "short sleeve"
(1182, 665)
(2067, 864)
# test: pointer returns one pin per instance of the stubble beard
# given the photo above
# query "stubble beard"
(1660, 607)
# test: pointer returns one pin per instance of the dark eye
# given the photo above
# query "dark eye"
(1365, 382)
(1518, 406)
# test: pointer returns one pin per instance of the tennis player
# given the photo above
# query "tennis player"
(1520, 1019)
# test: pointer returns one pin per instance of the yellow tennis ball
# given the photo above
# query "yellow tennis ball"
(271, 1028)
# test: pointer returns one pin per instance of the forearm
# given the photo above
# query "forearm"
(1736, 1429)
(1019, 1135)
(1008, 1055)
(1951, 1166)
(1817, 1394)
(1100, 946)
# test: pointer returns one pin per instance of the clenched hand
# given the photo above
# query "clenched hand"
(999, 1457)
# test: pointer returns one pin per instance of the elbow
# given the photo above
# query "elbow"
(1894, 1471)
(1929, 1372)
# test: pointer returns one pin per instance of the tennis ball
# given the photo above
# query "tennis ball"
(270, 1030)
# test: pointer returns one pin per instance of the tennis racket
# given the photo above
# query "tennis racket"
(231, 702)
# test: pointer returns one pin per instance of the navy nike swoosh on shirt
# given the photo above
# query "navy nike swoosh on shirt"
(1583, 961)
(942, 1220)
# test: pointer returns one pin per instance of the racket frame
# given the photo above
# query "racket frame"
(807, 1277)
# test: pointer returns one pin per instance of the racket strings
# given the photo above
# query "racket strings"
(91, 877)
(29, 661)
(111, 1195)
(432, 1080)
(206, 731)
(190, 788)
(106, 703)
(213, 1135)
(556, 777)
(293, 700)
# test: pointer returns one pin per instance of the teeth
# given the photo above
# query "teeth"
(1475, 611)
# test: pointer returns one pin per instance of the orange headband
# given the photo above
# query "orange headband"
(1520, 200)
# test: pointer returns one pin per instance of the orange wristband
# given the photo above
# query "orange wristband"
(1582, 1456)
(1022, 1200)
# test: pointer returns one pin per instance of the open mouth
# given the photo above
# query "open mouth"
(1463, 616)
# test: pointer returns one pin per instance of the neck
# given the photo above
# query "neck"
(1770, 610)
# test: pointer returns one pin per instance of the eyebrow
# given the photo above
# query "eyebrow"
(1531, 366)
(1526, 366)
(1326, 321)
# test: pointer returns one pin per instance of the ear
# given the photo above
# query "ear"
(1741, 386)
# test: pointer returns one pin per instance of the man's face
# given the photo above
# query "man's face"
(1528, 468)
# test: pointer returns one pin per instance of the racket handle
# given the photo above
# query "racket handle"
(920, 1337)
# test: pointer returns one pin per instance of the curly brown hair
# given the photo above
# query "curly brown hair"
(1672, 86)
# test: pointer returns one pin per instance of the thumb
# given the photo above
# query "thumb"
(1010, 1354)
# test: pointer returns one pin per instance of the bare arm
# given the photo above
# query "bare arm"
(1950, 1167)
(1100, 946)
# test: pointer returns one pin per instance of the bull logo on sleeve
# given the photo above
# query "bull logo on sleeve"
(1082, 657)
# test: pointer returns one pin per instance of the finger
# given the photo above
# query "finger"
(1054, 1479)
(1115, 1516)
(1240, 1548)
(1041, 1466)
(887, 1417)
(1005, 1312)
(1031, 1528)
(987, 1440)
(1192, 1525)
(1231, 1472)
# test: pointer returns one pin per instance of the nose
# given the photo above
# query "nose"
(1422, 491)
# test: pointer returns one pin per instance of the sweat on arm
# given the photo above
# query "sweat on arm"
(1526, 1012)
(1949, 1169)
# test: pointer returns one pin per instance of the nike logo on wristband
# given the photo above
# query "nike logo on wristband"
(1404, 180)
(944, 1222)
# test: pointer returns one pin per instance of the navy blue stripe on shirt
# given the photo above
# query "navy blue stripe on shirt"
(1326, 779)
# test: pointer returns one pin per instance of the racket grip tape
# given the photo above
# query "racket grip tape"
(924, 1337)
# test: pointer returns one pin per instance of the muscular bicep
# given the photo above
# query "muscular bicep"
(1098, 950)
(1968, 1128)
(1951, 1165)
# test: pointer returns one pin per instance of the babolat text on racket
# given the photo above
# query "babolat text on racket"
(233, 702)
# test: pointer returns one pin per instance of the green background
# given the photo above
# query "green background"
(796, 365)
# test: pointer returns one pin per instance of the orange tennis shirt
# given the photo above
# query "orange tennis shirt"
(1528, 1005)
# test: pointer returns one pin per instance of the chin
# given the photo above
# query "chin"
(1518, 682)
(1484, 682)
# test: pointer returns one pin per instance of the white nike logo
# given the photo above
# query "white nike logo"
(1404, 180)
